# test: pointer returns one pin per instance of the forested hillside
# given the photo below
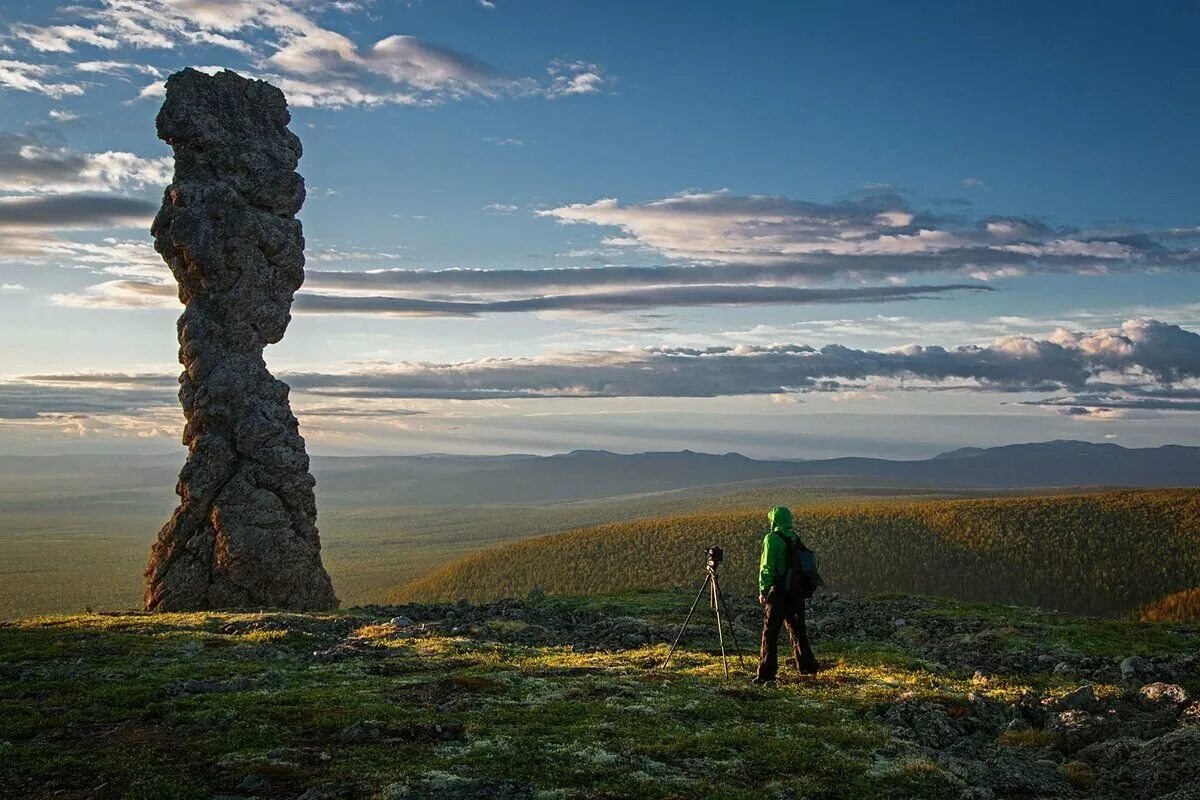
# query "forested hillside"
(1102, 553)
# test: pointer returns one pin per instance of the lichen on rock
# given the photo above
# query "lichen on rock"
(244, 533)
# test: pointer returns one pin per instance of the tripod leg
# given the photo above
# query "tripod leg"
(686, 620)
(732, 631)
(720, 633)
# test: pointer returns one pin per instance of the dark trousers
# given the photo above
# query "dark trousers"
(784, 610)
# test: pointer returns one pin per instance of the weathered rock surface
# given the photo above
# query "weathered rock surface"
(244, 533)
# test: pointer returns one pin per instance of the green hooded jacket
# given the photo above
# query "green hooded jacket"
(773, 564)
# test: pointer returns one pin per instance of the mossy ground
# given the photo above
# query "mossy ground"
(188, 706)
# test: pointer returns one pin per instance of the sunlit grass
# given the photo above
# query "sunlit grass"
(1098, 553)
(186, 705)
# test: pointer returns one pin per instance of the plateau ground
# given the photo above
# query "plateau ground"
(558, 698)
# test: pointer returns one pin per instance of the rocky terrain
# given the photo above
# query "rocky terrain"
(561, 698)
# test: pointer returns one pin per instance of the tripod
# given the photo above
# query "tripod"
(712, 585)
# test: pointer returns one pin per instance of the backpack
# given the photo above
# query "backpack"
(801, 577)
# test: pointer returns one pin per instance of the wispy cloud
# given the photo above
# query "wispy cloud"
(30, 226)
(569, 78)
(133, 294)
(73, 212)
(23, 76)
(118, 68)
(875, 236)
(282, 41)
(29, 163)
(1142, 361)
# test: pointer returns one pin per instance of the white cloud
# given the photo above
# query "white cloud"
(418, 67)
(62, 115)
(25, 77)
(574, 78)
(28, 164)
(1007, 365)
(283, 43)
(873, 236)
(62, 38)
(118, 68)
(121, 294)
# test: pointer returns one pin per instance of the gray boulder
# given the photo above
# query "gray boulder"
(1136, 669)
(1165, 765)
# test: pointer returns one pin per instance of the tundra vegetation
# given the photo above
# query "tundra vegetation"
(68, 542)
(557, 697)
(1098, 553)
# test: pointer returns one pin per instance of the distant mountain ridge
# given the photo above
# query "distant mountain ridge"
(583, 474)
(445, 479)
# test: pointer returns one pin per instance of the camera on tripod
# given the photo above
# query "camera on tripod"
(716, 601)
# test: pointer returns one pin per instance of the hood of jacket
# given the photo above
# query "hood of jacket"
(780, 518)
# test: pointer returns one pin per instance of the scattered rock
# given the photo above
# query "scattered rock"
(330, 792)
(371, 731)
(1166, 764)
(1136, 669)
(361, 732)
(1081, 699)
(252, 783)
(1164, 694)
(923, 722)
(1078, 729)
(977, 793)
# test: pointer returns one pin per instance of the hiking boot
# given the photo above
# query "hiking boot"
(811, 668)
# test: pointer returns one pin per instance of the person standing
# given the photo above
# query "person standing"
(783, 604)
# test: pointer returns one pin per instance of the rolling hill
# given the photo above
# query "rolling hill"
(1100, 553)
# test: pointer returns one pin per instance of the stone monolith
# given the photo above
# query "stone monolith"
(244, 534)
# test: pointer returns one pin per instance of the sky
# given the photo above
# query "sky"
(782, 229)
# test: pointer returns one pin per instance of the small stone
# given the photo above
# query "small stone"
(359, 732)
(197, 687)
(1164, 694)
(252, 782)
(977, 793)
(1081, 699)
(1016, 726)
(400, 622)
(1135, 668)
